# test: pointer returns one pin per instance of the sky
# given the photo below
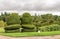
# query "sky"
(32, 6)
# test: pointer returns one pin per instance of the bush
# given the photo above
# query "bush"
(28, 28)
(2, 23)
(50, 28)
(13, 18)
(26, 18)
(2, 30)
(12, 28)
(12, 31)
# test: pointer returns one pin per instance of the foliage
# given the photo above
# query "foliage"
(2, 24)
(13, 18)
(2, 30)
(26, 18)
(50, 28)
(3, 16)
(12, 31)
(28, 25)
(12, 28)
(29, 22)
(28, 28)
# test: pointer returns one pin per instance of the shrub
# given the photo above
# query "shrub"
(13, 18)
(12, 28)
(28, 28)
(2, 30)
(26, 18)
(2, 23)
(12, 31)
(50, 28)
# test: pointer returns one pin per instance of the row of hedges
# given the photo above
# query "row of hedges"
(19, 28)
(50, 28)
(28, 28)
(31, 28)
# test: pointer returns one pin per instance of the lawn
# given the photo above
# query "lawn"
(26, 34)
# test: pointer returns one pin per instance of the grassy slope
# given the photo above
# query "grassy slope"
(31, 34)
(24, 34)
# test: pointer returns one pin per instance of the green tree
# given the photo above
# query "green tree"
(26, 18)
(36, 21)
(3, 16)
(13, 18)
(47, 19)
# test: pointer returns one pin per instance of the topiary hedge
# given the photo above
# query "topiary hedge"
(12, 31)
(12, 28)
(28, 28)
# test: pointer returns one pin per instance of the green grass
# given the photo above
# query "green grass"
(26, 34)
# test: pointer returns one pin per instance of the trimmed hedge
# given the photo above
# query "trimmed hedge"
(12, 28)
(28, 28)
(12, 31)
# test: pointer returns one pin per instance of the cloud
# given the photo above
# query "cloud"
(30, 5)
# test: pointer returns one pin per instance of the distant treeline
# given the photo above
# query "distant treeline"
(14, 21)
(26, 18)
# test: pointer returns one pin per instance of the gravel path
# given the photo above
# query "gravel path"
(39, 37)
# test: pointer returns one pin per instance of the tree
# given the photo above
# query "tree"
(3, 16)
(13, 18)
(36, 21)
(47, 19)
(26, 18)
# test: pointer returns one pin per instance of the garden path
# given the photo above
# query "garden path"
(37, 37)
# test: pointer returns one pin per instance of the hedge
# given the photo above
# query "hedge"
(12, 31)
(28, 28)
(12, 28)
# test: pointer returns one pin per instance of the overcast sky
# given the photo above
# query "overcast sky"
(40, 6)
